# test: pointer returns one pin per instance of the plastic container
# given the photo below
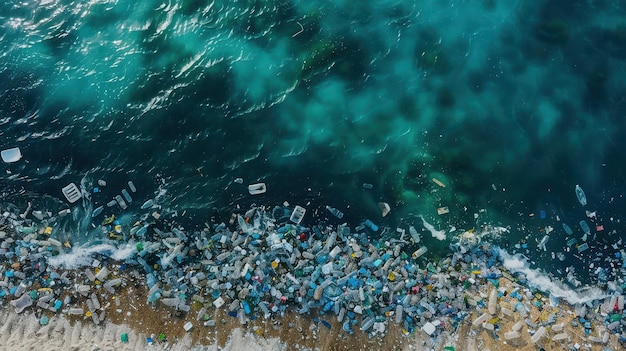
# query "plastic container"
(71, 192)
(297, 214)
(11, 155)
(256, 189)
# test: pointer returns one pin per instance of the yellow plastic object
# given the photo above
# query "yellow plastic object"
(274, 264)
(88, 314)
(391, 276)
(47, 231)
(108, 220)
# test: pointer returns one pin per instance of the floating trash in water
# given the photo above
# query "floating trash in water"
(443, 210)
(256, 189)
(72, 193)
(335, 212)
(585, 227)
(11, 155)
(297, 214)
(439, 182)
(384, 208)
(567, 229)
(580, 194)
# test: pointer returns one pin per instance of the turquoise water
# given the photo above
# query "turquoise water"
(510, 105)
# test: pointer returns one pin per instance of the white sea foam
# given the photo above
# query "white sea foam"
(540, 280)
(438, 234)
(81, 256)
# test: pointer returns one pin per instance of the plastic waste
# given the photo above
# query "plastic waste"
(443, 210)
(43, 320)
(335, 212)
(512, 335)
(97, 211)
(297, 214)
(371, 225)
(481, 319)
(538, 334)
(219, 302)
(127, 195)
(567, 229)
(147, 204)
(580, 194)
(75, 311)
(384, 208)
(439, 182)
(542, 243)
(71, 192)
(414, 235)
(399, 314)
(493, 301)
(131, 186)
(429, 328)
(585, 227)
(11, 155)
(121, 202)
(256, 189)
(102, 274)
(419, 252)
(21, 303)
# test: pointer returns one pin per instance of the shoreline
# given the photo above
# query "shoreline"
(289, 287)
(291, 331)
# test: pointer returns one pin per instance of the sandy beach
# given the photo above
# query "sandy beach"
(127, 316)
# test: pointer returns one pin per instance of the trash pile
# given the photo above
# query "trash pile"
(263, 263)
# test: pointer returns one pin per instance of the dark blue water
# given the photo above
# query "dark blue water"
(183, 97)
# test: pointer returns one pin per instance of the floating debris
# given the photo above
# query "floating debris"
(439, 182)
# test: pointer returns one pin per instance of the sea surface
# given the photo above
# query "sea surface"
(510, 104)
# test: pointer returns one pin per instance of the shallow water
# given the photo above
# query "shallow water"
(510, 105)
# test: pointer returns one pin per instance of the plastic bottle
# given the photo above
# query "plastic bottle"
(127, 196)
(580, 194)
(335, 212)
(121, 202)
(399, 312)
(75, 311)
(367, 323)
(585, 227)
(147, 204)
(297, 214)
(419, 252)
(104, 272)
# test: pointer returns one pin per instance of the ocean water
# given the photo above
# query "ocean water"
(509, 104)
